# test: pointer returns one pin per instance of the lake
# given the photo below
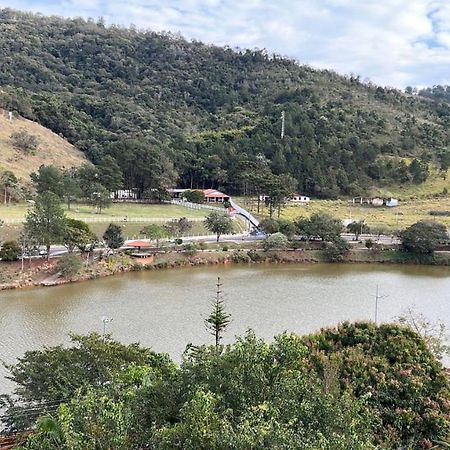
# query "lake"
(165, 309)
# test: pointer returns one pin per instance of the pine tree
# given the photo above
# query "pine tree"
(219, 319)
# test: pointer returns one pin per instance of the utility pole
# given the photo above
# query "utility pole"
(282, 124)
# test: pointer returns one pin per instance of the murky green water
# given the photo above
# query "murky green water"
(165, 309)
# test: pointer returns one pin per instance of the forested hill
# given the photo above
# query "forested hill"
(172, 111)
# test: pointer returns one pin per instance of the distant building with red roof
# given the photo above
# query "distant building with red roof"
(210, 195)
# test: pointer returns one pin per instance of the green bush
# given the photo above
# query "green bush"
(10, 251)
(194, 196)
(275, 241)
(190, 249)
(239, 257)
(254, 255)
(336, 250)
(69, 265)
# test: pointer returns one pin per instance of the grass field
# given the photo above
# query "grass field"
(407, 213)
(117, 211)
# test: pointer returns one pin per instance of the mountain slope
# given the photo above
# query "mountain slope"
(168, 109)
(51, 148)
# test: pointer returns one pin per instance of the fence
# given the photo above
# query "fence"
(196, 205)
(121, 219)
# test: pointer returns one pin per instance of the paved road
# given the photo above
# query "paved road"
(58, 250)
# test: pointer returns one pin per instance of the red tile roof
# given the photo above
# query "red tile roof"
(138, 244)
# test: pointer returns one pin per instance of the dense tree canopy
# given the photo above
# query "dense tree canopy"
(171, 111)
(357, 387)
(424, 236)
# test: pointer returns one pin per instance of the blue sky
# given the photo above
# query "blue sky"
(391, 42)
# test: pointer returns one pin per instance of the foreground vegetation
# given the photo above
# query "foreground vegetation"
(358, 386)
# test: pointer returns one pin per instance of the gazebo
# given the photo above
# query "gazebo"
(138, 245)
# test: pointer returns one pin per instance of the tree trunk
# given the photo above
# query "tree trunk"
(218, 236)
(48, 252)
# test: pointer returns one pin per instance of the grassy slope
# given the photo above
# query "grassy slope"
(52, 149)
(416, 203)
(435, 184)
(406, 214)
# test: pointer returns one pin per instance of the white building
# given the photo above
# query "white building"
(299, 199)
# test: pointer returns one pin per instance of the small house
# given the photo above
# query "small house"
(391, 202)
(377, 201)
(214, 196)
(299, 199)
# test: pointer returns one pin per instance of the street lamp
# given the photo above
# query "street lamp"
(105, 320)
(377, 297)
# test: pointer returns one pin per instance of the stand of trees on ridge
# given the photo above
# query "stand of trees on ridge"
(171, 111)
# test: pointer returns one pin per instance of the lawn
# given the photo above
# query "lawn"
(119, 210)
(407, 213)
(116, 213)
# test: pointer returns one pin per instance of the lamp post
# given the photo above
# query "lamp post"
(377, 297)
(105, 320)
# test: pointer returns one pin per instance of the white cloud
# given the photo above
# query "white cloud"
(392, 42)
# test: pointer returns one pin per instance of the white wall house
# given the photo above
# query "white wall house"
(297, 198)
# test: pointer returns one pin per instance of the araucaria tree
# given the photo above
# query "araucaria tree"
(218, 224)
(219, 319)
(46, 222)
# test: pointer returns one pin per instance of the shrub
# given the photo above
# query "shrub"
(10, 251)
(239, 257)
(69, 265)
(190, 249)
(369, 243)
(194, 196)
(202, 246)
(269, 226)
(277, 240)
(225, 248)
(336, 250)
(254, 255)
(25, 141)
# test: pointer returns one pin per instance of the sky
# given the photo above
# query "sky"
(395, 43)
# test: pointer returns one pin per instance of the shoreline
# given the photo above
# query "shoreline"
(115, 265)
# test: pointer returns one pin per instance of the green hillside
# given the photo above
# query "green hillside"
(177, 112)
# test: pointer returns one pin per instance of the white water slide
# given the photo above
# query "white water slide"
(244, 213)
